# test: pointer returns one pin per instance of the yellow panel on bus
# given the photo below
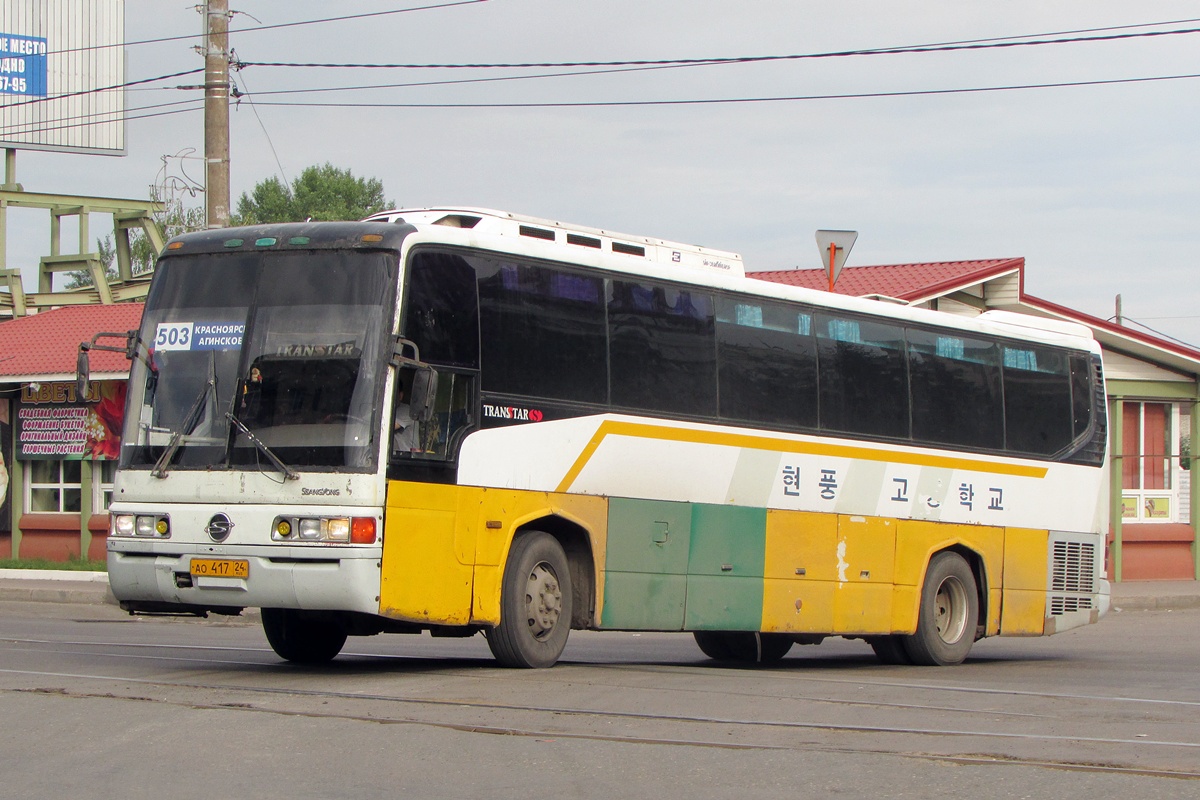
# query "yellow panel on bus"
(1025, 582)
(424, 541)
(799, 572)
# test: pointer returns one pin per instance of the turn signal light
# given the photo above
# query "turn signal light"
(362, 530)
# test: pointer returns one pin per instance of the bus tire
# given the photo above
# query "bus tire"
(949, 613)
(535, 604)
(301, 639)
(890, 649)
(747, 647)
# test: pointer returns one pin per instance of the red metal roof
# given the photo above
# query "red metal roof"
(913, 282)
(46, 344)
(902, 281)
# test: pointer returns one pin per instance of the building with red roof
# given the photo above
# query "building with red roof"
(58, 449)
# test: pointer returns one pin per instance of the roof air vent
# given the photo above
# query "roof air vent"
(537, 233)
(583, 241)
(628, 249)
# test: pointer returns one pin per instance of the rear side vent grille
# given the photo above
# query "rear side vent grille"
(1074, 567)
(537, 233)
(628, 249)
(1072, 577)
(1062, 604)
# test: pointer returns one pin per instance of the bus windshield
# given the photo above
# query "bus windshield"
(262, 356)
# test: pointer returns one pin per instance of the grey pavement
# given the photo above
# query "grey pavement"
(67, 586)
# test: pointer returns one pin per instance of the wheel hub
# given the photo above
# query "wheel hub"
(543, 600)
(951, 610)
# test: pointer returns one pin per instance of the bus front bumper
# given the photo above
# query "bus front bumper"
(190, 580)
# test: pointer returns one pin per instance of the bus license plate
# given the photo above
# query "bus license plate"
(221, 567)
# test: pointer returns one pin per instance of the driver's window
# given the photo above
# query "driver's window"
(436, 438)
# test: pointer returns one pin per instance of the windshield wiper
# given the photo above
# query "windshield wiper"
(290, 473)
(190, 422)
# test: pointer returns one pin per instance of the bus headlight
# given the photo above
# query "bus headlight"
(336, 530)
(155, 526)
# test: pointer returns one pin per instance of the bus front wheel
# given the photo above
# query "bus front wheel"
(302, 639)
(949, 613)
(535, 604)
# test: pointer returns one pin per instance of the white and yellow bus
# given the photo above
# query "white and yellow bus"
(458, 420)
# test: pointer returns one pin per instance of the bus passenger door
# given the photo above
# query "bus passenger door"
(645, 581)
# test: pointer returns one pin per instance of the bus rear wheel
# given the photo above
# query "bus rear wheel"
(301, 638)
(750, 647)
(535, 604)
(949, 613)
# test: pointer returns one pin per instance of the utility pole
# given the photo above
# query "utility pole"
(216, 113)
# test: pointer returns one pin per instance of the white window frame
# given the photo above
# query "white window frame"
(60, 486)
(102, 490)
(1140, 495)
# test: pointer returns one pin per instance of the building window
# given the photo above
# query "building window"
(53, 487)
(1150, 448)
(102, 485)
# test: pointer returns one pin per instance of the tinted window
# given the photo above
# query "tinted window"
(1037, 400)
(767, 363)
(956, 397)
(663, 349)
(542, 332)
(440, 314)
(863, 382)
(1081, 395)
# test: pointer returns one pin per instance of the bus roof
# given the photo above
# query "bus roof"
(503, 223)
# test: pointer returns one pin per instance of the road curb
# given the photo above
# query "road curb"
(1175, 603)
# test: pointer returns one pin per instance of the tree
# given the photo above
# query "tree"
(319, 193)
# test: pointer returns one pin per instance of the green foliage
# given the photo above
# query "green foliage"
(1185, 452)
(319, 193)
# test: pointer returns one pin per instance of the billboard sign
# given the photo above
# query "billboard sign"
(22, 65)
(62, 71)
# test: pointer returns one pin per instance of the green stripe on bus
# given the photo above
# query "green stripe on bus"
(676, 566)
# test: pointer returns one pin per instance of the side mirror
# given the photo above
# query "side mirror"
(424, 394)
(82, 367)
(82, 370)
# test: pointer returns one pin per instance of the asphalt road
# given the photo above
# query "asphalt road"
(95, 703)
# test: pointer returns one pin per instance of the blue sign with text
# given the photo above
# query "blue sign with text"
(22, 65)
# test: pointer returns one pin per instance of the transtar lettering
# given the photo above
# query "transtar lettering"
(512, 412)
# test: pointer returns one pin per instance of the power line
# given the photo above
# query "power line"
(743, 100)
(322, 21)
(689, 62)
(99, 89)
(626, 103)
(53, 126)
(87, 118)
(357, 16)
(1156, 332)
(463, 81)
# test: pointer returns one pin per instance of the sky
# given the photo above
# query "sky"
(1096, 186)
